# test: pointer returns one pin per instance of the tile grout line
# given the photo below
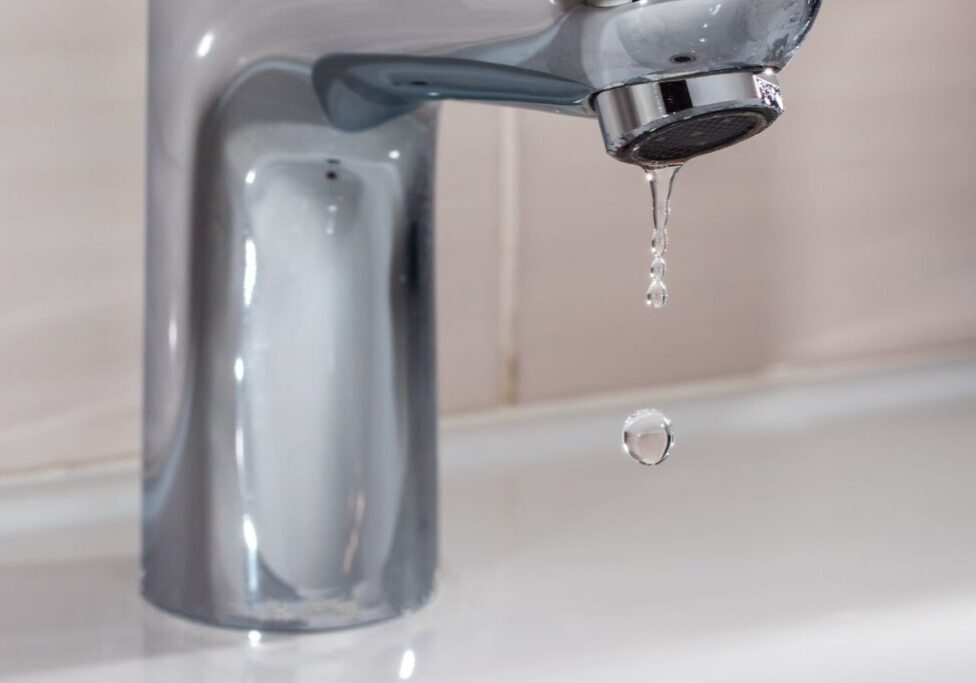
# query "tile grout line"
(117, 462)
(509, 228)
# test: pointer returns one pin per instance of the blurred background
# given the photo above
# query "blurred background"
(844, 234)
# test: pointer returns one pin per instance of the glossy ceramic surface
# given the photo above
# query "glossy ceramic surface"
(813, 531)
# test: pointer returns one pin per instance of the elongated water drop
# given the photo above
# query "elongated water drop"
(659, 268)
(661, 181)
(648, 437)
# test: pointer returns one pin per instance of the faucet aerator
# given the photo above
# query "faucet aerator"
(669, 122)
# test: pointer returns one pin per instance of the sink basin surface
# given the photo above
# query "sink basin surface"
(817, 529)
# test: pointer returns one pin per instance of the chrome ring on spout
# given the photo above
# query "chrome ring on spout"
(668, 122)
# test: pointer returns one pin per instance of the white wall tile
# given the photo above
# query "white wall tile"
(875, 172)
(71, 227)
(71, 223)
(844, 231)
(468, 243)
(583, 324)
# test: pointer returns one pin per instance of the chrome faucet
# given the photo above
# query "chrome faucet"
(289, 438)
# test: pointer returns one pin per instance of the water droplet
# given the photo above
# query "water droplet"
(661, 181)
(657, 294)
(659, 243)
(659, 268)
(648, 437)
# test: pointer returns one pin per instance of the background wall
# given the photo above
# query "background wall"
(844, 232)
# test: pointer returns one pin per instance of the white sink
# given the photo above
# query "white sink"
(812, 530)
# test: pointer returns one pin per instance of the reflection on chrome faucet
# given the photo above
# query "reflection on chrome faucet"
(289, 475)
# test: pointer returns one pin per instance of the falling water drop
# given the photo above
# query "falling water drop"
(657, 293)
(648, 437)
(661, 181)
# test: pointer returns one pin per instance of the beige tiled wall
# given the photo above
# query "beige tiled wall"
(71, 83)
(844, 232)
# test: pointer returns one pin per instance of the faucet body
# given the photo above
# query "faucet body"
(289, 438)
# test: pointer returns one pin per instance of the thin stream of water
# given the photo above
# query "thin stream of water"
(661, 180)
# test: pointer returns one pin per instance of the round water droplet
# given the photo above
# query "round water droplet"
(657, 294)
(648, 437)
(659, 268)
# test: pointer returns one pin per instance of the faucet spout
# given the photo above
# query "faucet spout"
(289, 439)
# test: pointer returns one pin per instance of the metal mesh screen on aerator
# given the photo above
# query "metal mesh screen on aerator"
(700, 134)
